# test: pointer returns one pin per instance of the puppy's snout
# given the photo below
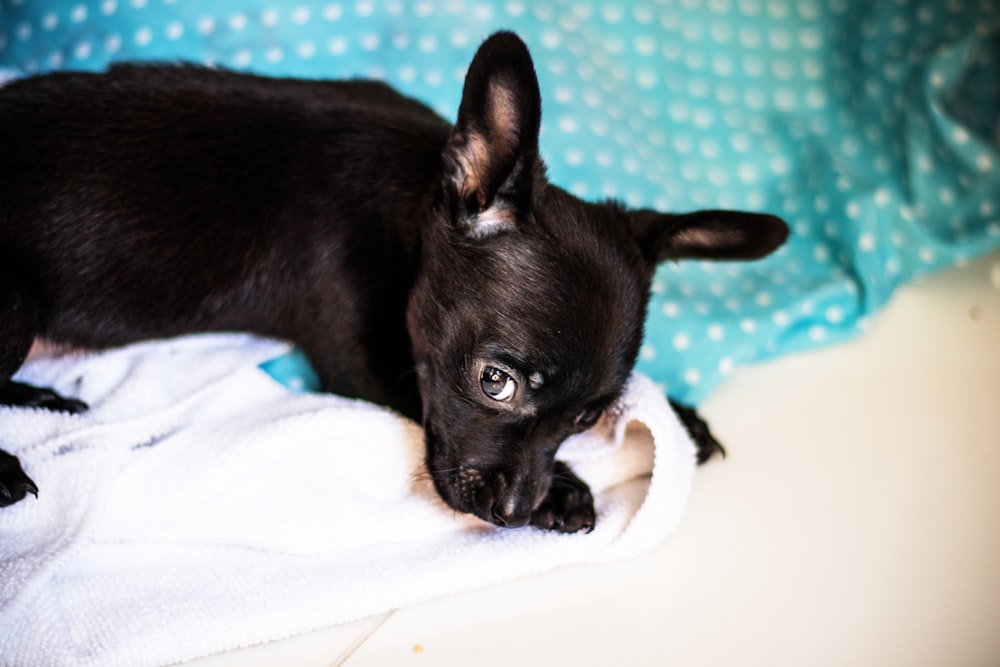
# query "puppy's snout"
(506, 514)
(513, 500)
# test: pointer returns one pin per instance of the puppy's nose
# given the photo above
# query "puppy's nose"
(509, 514)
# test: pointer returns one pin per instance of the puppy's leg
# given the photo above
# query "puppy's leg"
(18, 326)
(28, 396)
(569, 505)
(698, 430)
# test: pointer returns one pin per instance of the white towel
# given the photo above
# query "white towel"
(199, 506)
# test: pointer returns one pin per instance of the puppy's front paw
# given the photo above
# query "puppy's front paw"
(28, 396)
(569, 505)
(14, 483)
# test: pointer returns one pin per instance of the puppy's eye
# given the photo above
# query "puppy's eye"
(497, 384)
(588, 417)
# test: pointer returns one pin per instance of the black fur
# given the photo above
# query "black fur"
(420, 265)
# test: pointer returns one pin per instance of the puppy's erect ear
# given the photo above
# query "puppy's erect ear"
(490, 158)
(707, 235)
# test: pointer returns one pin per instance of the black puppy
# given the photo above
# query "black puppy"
(428, 267)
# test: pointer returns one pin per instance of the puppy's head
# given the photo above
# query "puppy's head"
(528, 312)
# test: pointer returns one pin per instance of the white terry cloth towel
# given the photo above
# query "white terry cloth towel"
(200, 506)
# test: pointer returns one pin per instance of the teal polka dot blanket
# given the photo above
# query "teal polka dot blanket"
(871, 127)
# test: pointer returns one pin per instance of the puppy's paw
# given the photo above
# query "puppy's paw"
(27, 396)
(14, 483)
(698, 429)
(569, 505)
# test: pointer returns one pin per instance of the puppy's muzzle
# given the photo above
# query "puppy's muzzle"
(503, 497)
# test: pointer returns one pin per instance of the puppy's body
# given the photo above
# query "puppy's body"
(427, 267)
(182, 199)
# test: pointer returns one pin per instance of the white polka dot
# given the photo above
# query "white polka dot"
(646, 79)
(306, 50)
(866, 242)
(779, 39)
(834, 315)
(749, 37)
(238, 21)
(946, 195)
(515, 9)
(206, 25)
(926, 254)
(50, 21)
(692, 376)
(274, 55)
(434, 78)
(612, 14)
(139, 4)
(882, 196)
(748, 326)
(892, 265)
(816, 98)
(748, 173)
(647, 352)
(270, 18)
(960, 135)
(986, 208)
(681, 342)
(337, 46)
(643, 15)
(810, 38)
(113, 44)
(333, 12)
(817, 333)
(370, 41)
(812, 68)
(984, 162)
(364, 8)
(670, 309)
(726, 365)
(175, 30)
(763, 299)
(79, 14)
(143, 36)
(428, 44)
(82, 51)
(781, 318)
(109, 7)
(779, 165)
(242, 58)
(716, 332)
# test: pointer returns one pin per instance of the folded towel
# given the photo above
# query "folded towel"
(201, 506)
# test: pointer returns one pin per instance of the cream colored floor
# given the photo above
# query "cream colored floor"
(856, 522)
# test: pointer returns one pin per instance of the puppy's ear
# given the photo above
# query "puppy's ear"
(490, 157)
(707, 235)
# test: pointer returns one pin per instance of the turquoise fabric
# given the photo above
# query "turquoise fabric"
(872, 127)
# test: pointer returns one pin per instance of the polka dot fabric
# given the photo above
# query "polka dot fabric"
(871, 127)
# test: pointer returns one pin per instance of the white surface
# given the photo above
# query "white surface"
(855, 522)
